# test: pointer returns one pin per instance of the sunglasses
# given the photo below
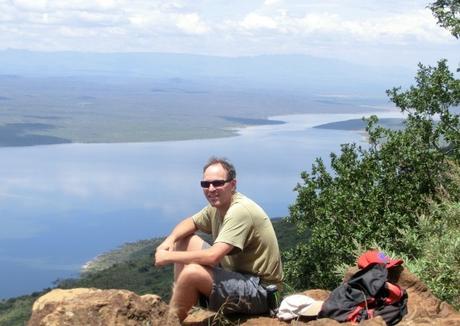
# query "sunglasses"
(214, 183)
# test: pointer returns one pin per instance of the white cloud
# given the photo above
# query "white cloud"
(191, 24)
(321, 28)
(31, 5)
(86, 4)
(311, 23)
(96, 18)
(255, 21)
(324, 26)
(419, 24)
(271, 2)
(52, 5)
(148, 20)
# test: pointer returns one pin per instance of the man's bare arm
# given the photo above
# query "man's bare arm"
(183, 229)
(209, 257)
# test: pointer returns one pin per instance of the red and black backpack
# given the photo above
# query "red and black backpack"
(367, 294)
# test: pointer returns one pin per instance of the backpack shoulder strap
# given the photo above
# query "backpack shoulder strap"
(394, 293)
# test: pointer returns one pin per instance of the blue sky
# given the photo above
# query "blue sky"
(374, 32)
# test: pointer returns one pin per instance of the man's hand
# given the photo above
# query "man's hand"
(209, 257)
(161, 257)
(183, 229)
(167, 244)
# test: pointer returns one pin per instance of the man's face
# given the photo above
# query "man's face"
(218, 197)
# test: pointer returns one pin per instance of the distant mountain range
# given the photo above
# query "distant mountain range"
(267, 71)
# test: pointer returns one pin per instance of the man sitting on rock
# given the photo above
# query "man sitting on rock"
(230, 275)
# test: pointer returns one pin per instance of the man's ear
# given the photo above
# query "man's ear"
(234, 184)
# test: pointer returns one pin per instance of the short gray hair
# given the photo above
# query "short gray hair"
(231, 172)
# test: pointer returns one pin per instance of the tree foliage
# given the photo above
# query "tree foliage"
(375, 194)
(448, 14)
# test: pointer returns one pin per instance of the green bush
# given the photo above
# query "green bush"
(375, 194)
(439, 240)
(16, 311)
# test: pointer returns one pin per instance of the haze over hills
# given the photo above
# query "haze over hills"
(301, 72)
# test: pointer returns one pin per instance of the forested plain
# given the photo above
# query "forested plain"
(52, 98)
(90, 109)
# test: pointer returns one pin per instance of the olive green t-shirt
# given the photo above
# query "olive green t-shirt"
(248, 228)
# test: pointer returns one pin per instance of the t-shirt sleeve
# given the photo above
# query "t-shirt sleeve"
(236, 227)
(202, 220)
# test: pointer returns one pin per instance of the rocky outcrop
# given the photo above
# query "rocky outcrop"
(100, 307)
(119, 307)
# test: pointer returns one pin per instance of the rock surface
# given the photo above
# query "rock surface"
(120, 307)
(100, 307)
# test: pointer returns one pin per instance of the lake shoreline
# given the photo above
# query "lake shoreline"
(16, 135)
(29, 140)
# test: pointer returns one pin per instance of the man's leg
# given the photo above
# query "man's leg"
(193, 280)
(190, 280)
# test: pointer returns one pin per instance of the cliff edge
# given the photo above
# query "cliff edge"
(121, 307)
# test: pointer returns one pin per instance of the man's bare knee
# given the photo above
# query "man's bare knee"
(196, 276)
(192, 242)
(193, 272)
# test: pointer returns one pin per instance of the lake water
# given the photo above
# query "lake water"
(61, 205)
